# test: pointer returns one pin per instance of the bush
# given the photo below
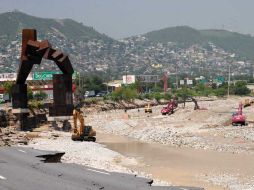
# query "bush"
(167, 96)
(35, 104)
(124, 93)
(8, 87)
(91, 100)
(240, 88)
(40, 95)
(184, 93)
(220, 91)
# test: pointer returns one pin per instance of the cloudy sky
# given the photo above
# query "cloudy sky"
(123, 18)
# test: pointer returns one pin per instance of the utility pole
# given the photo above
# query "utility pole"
(229, 74)
(126, 74)
(79, 82)
(228, 79)
(176, 76)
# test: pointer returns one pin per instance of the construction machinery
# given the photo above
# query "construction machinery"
(82, 133)
(196, 107)
(148, 108)
(238, 118)
(172, 105)
(246, 103)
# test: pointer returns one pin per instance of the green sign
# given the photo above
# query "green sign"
(220, 79)
(48, 75)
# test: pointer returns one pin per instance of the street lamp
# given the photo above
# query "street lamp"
(126, 69)
(229, 74)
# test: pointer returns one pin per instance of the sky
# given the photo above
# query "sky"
(124, 18)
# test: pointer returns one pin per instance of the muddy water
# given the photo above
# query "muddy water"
(180, 166)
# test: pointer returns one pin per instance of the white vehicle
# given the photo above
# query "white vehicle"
(90, 93)
(1, 98)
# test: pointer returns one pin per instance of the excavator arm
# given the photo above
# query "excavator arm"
(81, 133)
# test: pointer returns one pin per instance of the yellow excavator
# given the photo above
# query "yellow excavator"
(148, 108)
(82, 133)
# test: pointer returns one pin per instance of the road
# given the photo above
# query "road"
(21, 169)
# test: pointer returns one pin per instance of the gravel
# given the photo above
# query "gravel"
(88, 154)
(200, 129)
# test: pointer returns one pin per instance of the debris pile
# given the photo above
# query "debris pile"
(9, 136)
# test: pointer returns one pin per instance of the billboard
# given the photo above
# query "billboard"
(129, 80)
(189, 82)
(11, 77)
(148, 78)
(181, 82)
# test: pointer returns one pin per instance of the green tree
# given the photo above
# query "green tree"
(128, 93)
(240, 88)
(8, 87)
(94, 83)
(40, 95)
(29, 93)
(184, 93)
(221, 91)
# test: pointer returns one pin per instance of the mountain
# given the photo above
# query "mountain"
(88, 49)
(15, 21)
(187, 36)
(182, 49)
(183, 35)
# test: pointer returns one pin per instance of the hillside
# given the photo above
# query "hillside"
(88, 49)
(194, 52)
(186, 36)
(231, 41)
(14, 22)
(183, 35)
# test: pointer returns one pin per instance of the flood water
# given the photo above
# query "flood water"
(180, 166)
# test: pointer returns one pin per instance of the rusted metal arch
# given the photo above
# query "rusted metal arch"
(32, 53)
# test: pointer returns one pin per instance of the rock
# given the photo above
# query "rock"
(25, 142)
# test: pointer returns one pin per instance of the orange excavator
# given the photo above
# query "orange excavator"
(82, 133)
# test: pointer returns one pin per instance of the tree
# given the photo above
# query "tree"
(8, 87)
(184, 94)
(221, 91)
(40, 95)
(29, 93)
(240, 88)
(94, 83)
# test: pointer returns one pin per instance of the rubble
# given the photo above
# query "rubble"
(9, 137)
(200, 129)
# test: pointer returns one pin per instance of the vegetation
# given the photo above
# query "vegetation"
(127, 93)
(8, 87)
(35, 104)
(69, 28)
(181, 34)
(186, 36)
(40, 95)
(90, 82)
(240, 88)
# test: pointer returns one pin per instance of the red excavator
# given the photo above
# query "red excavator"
(238, 118)
(172, 105)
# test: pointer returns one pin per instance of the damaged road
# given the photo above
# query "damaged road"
(25, 168)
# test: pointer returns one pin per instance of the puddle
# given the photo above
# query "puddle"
(180, 166)
(52, 158)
